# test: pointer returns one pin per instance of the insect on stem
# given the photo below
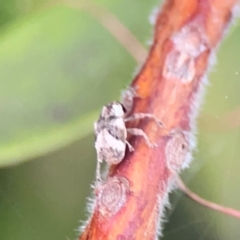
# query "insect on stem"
(111, 132)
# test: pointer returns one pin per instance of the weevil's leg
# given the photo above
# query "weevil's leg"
(131, 149)
(140, 132)
(98, 169)
(143, 115)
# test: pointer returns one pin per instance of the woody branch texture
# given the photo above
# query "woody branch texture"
(130, 202)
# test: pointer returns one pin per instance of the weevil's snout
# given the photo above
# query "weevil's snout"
(118, 110)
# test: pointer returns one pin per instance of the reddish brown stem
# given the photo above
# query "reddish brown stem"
(130, 203)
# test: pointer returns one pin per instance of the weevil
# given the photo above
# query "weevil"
(111, 132)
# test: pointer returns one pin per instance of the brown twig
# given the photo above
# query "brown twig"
(114, 26)
(228, 211)
(130, 203)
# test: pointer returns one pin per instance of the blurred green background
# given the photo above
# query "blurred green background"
(58, 66)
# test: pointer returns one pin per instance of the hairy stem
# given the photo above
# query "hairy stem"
(130, 203)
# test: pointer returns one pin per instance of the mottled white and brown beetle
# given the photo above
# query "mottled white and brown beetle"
(111, 133)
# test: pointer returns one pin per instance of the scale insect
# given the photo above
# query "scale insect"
(111, 133)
